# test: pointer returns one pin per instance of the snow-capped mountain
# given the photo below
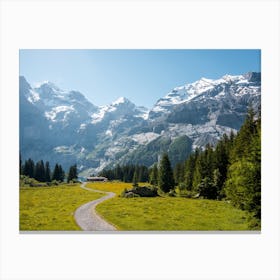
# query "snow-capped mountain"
(63, 126)
(121, 107)
(60, 106)
(227, 86)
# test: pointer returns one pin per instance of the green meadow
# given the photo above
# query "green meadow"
(52, 208)
(168, 213)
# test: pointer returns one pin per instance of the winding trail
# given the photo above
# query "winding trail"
(86, 216)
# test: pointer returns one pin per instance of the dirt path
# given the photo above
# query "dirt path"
(86, 216)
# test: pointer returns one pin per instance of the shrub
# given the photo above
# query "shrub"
(182, 186)
(54, 183)
(140, 192)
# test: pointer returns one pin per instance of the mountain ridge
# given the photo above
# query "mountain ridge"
(73, 130)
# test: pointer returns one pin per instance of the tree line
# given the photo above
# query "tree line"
(127, 173)
(42, 172)
(231, 170)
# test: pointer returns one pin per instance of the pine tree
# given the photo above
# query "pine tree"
(179, 173)
(154, 175)
(217, 183)
(198, 171)
(55, 175)
(190, 168)
(166, 179)
(20, 164)
(118, 174)
(28, 168)
(221, 156)
(207, 189)
(241, 144)
(243, 184)
(40, 171)
(135, 179)
(61, 173)
(209, 162)
(47, 172)
(72, 174)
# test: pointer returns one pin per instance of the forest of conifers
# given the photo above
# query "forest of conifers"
(231, 171)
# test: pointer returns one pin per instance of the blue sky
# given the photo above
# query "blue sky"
(143, 76)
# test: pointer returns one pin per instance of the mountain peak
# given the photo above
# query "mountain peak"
(121, 100)
(253, 76)
(49, 85)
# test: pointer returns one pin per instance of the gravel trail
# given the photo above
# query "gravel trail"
(86, 216)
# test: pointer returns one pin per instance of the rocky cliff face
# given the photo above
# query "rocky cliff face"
(63, 126)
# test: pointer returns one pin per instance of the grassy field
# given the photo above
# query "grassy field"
(116, 187)
(168, 213)
(52, 208)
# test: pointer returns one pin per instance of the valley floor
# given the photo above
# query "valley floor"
(168, 213)
(53, 208)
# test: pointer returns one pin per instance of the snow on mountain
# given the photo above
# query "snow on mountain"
(59, 105)
(120, 107)
(99, 115)
(64, 111)
(33, 96)
(76, 131)
(235, 85)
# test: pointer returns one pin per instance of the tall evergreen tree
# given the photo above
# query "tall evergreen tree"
(28, 169)
(56, 175)
(135, 178)
(166, 179)
(72, 174)
(179, 173)
(61, 173)
(243, 184)
(221, 155)
(154, 175)
(189, 170)
(47, 172)
(40, 171)
(198, 171)
(20, 165)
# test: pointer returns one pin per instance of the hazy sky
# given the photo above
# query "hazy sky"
(143, 76)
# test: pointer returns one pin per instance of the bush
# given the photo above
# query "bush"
(187, 194)
(207, 189)
(182, 186)
(140, 192)
(26, 181)
(55, 183)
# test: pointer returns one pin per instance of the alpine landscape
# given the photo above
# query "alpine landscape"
(191, 161)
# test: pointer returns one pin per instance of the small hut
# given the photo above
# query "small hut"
(97, 179)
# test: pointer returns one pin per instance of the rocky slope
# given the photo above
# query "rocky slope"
(63, 126)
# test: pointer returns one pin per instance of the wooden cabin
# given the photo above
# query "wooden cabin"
(97, 179)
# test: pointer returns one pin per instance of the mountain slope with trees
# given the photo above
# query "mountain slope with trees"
(63, 126)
